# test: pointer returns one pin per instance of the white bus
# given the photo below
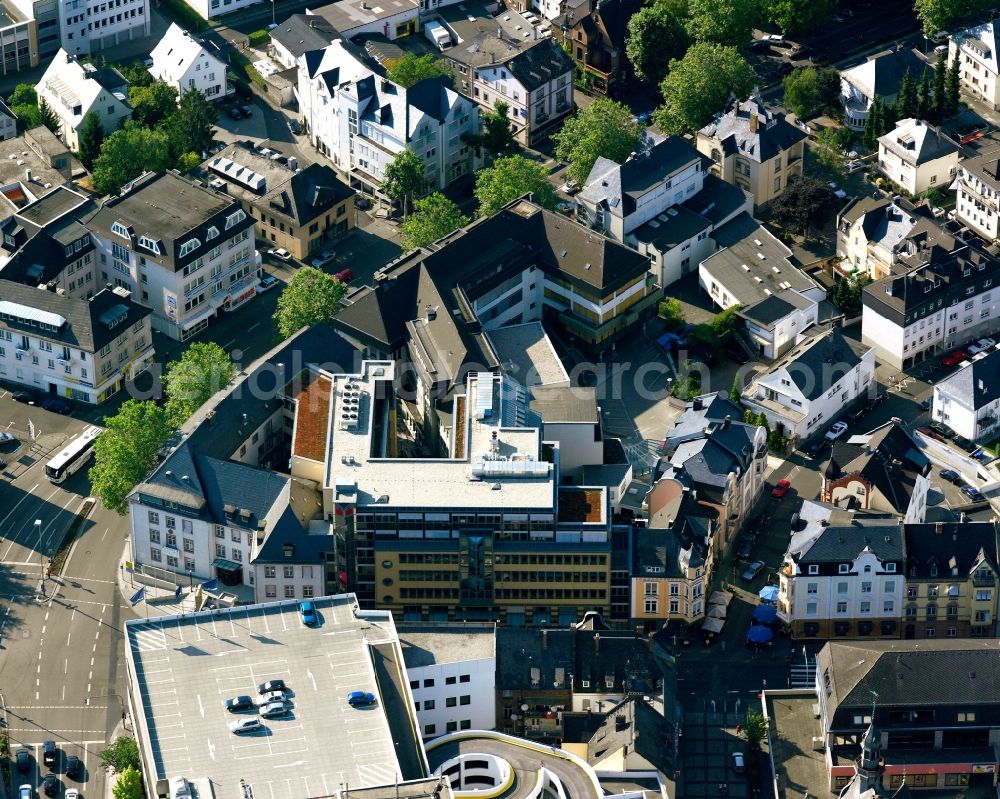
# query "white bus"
(75, 454)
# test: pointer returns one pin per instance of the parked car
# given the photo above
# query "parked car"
(24, 792)
(238, 703)
(271, 685)
(858, 413)
(951, 476)
(323, 259)
(271, 696)
(307, 612)
(877, 400)
(815, 449)
(361, 202)
(344, 276)
(753, 570)
(57, 405)
(855, 166)
(267, 282)
(929, 433)
(360, 698)
(73, 767)
(835, 432)
(247, 110)
(26, 397)
(179, 788)
(941, 430)
(781, 489)
(570, 187)
(565, 206)
(838, 192)
(983, 345)
(49, 754)
(71, 793)
(643, 117)
(233, 112)
(273, 710)
(954, 358)
(23, 759)
(973, 493)
(50, 785)
(745, 547)
(244, 726)
(739, 764)
(280, 253)
(294, 126)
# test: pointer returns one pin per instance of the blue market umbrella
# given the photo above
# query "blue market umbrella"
(759, 635)
(769, 593)
(764, 614)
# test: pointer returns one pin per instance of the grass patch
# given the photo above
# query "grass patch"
(246, 71)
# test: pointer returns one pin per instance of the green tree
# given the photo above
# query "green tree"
(939, 15)
(127, 153)
(152, 104)
(405, 179)
(203, 369)
(889, 118)
(906, 101)
(23, 94)
(795, 17)
(940, 93)
(510, 178)
(924, 105)
(126, 451)
(187, 161)
(725, 324)
(311, 297)
(411, 69)
(804, 202)
(604, 129)
(655, 35)
(736, 392)
(812, 90)
(129, 785)
(433, 216)
(497, 136)
(832, 144)
(91, 136)
(874, 123)
(192, 126)
(698, 85)
(121, 754)
(755, 730)
(725, 22)
(847, 296)
(952, 89)
(48, 117)
(672, 313)
(28, 117)
(136, 74)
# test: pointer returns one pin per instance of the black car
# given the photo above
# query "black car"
(23, 759)
(233, 113)
(294, 126)
(238, 703)
(57, 405)
(27, 397)
(815, 449)
(271, 685)
(49, 753)
(73, 767)
(877, 400)
(951, 476)
(247, 110)
(745, 548)
(361, 202)
(973, 493)
(858, 412)
(51, 785)
(941, 430)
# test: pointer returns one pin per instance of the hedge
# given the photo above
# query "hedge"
(258, 37)
(245, 70)
(183, 14)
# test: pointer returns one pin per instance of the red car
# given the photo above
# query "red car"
(781, 489)
(344, 276)
(954, 358)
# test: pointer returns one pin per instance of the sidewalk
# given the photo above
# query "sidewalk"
(157, 601)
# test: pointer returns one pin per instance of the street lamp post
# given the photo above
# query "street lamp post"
(190, 579)
(41, 554)
(272, 13)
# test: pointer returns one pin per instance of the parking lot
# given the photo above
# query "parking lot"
(187, 666)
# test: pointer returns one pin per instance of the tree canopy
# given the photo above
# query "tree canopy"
(91, 137)
(605, 129)
(795, 17)
(405, 178)
(121, 754)
(812, 90)
(152, 104)
(201, 371)
(726, 22)
(129, 785)
(433, 216)
(23, 94)
(939, 15)
(127, 153)
(698, 85)
(755, 730)
(311, 296)
(192, 125)
(497, 137)
(510, 178)
(804, 201)
(656, 34)
(126, 451)
(411, 69)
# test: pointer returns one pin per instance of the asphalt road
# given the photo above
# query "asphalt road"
(59, 653)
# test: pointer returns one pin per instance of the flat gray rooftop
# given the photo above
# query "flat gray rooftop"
(185, 667)
(426, 645)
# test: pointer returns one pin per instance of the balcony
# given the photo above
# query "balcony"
(984, 581)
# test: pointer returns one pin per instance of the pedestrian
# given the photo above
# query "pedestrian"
(739, 728)
(723, 645)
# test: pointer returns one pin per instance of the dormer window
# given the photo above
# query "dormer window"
(120, 230)
(235, 218)
(844, 568)
(150, 244)
(813, 569)
(211, 233)
(189, 246)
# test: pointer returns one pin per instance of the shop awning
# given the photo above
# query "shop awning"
(226, 565)
(712, 625)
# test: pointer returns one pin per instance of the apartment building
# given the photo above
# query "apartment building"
(361, 121)
(351, 18)
(663, 203)
(976, 50)
(22, 35)
(497, 59)
(187, 63)
(870, 230)
(8, 121)
(74, 89)
(880, 75)
(951, 580)
(918, 156)
(594, 34)
(977, 202)
(301, 208)
(298, 35)
(83, 349)
(777, 323)
(882, 470)
(184, 251)
(968, 401)
(754, 148)
(88, 26)
(801, 393)
(939, 295)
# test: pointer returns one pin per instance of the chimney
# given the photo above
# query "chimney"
(545, 639)
(982, 385)
(753, 122)
(597, 642)
(938, 528)
(726, 422)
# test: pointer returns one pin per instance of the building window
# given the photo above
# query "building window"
(651, 605)
(289, 592)
(289, 572)
(841, 607)
(270, 592)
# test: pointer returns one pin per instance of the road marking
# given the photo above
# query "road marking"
(30, 492)
(201, 707)
(224, 346)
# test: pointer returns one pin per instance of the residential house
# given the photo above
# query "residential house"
(301, 208)
(186, 63)
(939, 295)
(298, 35)
(754, 148)
(661, 202)
(968, 401)
(595, 34)
(977, 202)
(882, 470)
(976, 50)
(94, 27)
(879, 76)
(74, 89)
(777, 323)
(361, 121)
(917, 156)
(951, 580)
(452, 673)
(809, 387)
(494, 61)
(870, 231)
(395, 20)
(751, 265)
(68, 347)
(843, 576)
(187, 259)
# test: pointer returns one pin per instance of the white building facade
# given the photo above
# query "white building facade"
(968, 401)
(183, 62)
(917, 156)
(976, 50)
(89, 26)
(977, 201)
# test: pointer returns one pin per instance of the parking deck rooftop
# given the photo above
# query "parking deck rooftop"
(183, 668)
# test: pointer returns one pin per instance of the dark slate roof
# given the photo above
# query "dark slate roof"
(830, 355)
(669, 553)
(976, 385)
(635, 726)
(430, 96)
(287, 531)
(768, 311)
(110, 78)
(843, 543)
(87, 321)
(539, 64)
(301, 33)
(772, 134)
(889, 68)
(614, 16)
(934, 550)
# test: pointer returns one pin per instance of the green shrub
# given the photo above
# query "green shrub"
(258, 37)
(246, 71)
(184, 15)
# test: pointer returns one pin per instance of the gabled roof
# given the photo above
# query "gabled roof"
(176, 53)
(301, 33)
(289, 532)
(938, 550)
(669, 553)
(981, 40)
(844, 543)
(539, 64)
(916, 142)
(820, 362)
(883, 72)
(976, 385)
(768, 312)
(72, 83)
(752, 130)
